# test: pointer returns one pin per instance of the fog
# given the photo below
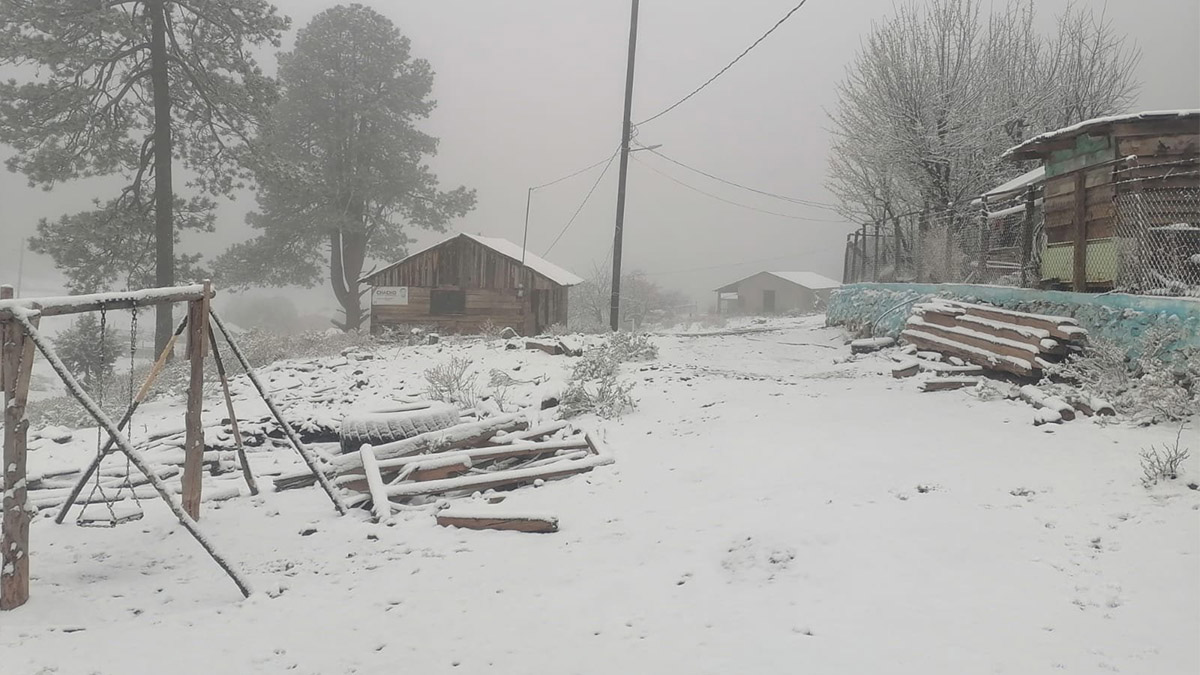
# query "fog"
(531, 90)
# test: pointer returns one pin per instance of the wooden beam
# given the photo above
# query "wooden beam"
(380, 505)
(538, 524)
(17, 358)
(495, 479)
(79, 304)
(193, 448)
(233, 422)
(1079, 271)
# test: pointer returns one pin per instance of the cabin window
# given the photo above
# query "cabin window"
(442, 303)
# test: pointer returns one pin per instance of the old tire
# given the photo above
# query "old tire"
(380, 428)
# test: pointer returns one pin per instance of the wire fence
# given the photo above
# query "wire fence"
(1142, 235)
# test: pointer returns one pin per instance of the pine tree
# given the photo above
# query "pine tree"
(347, 172)
(123, 87)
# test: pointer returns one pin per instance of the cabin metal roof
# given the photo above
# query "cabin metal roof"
(809, 280)
(505, 248)
(1033, 147)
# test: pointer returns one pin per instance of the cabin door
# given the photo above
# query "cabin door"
(768, 302)
(541, 311)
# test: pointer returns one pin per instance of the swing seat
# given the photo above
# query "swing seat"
(119, 515)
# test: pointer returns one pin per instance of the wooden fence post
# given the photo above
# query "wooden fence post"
(899, 249)
(985, 243)
(16, 357)
(197, 348)
(1027, 237)
(918, 250)
(875, 269)
(1079, 275)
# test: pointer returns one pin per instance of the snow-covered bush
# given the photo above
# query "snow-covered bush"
(632, 347)
(453, 382)
(1158, 385)
(1163, 464)
(607, 397)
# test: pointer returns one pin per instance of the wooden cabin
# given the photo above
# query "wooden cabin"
(466, 281)
(775, 293)
(1120, 200)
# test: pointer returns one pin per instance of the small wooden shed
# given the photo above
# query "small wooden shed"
(467, 280)
(1093, 170)
(775, 293)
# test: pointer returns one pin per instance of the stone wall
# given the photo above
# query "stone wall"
(882, 309)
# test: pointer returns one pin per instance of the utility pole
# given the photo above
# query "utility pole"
(626, 132)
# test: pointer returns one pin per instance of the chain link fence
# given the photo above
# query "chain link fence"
(1143, 237)
(1158, 232)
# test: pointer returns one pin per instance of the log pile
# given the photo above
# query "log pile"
(1017, 343)
(499, 454)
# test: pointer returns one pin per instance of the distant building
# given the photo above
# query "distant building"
(776, 293)
(465, 281)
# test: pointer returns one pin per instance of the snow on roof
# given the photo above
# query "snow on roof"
(505, 248)
(810, 280)
(1020, 182)
(1081, 127)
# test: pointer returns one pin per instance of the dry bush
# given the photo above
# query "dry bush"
(607, 397)
(1163, 464)
(453, 382)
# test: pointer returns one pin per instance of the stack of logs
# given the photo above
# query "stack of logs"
(497, 453)
(956, 342)
(1018, 343)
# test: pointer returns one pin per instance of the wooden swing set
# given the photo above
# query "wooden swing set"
(19, 337)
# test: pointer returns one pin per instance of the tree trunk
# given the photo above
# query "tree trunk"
(347, 255)
(164, 223)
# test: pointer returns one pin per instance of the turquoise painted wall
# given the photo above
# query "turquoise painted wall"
(1115, 316)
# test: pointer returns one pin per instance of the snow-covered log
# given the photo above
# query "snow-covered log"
(1039, 399)
(497, 479)
(380, 505)
(485, 520)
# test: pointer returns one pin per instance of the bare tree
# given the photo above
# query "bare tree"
(940, 90)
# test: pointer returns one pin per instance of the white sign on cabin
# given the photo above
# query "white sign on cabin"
(390, 295)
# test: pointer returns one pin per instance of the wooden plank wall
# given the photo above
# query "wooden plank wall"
(490, 280)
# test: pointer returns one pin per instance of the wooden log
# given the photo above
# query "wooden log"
(948, 383)
(440, 469)
(482, 521)
(977, 339)
(380, 505)
(530, 434)
(17, 358)
(987, 359)
(1061, 327)
(551, 348)
(310, 459)
(233, 422)
(197, 349)
(1040, 399)
(468, 435)
(135, 457)
(81, 304)
(867, 345)
(476, 457)
(906, 369)
(497, 479)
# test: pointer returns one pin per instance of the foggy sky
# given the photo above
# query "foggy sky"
(531, 90)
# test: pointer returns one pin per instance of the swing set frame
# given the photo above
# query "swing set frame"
(19, 337)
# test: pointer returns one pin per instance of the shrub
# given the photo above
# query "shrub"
(453, 383)
(607, 397)
(632, 347)
(1156, 385)
(1163, 464)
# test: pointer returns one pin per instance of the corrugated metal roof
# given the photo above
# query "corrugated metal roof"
(505, 248)
(1081, 127)
(809, 280)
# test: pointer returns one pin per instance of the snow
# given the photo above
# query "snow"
(809, 280)
(508, 249)
(1031, 177)
(1085, 125)
(770, 511)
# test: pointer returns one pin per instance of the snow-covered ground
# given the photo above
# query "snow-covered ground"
(770, 511)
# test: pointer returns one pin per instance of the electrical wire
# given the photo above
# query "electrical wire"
(583, 203)
(572, 175)
(793, 200)
(730, 65)
(731, 202)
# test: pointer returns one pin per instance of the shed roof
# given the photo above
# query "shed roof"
(505, 248)
(809, 280)
(1034, 147)
(1017, 184)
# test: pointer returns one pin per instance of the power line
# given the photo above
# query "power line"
(572, 175)
(582, 204)
(733, 203)
(739, 264)
(793, 200)
(731, 64)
